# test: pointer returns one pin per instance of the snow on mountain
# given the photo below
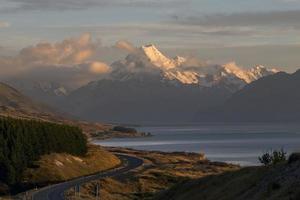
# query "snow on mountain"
(184, 77)
(149, 60)
(159, 59)
(167, 89)
(248, 75)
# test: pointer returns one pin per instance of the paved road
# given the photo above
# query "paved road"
(56, 192)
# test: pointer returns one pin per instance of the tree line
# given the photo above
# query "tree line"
(24, 141)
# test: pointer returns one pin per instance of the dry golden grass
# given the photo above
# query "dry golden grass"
(160, 171)
(279, 182)
(60, 167)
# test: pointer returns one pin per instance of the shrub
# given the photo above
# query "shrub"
(273, 157)
(124, 129)
(294, 157)
(265, 159)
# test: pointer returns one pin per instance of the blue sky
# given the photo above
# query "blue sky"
(220, 30)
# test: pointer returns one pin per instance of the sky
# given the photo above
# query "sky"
(252, 32)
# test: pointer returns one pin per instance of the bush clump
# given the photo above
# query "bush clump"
(294, 157)
(123, 129)
(273, 157)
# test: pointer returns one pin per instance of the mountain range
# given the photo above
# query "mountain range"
(149, 87)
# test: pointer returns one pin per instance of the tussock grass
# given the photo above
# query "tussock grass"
(61, 167)
(278, 182)
(159, 172)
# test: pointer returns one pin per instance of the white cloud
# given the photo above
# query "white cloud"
(99, 68)
(125, 45)
(4, 24)
(69, 51)
(21, 5)
(73, 61)
(267, 18)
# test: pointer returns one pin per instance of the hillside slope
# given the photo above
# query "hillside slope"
(15, 104)
(254, 183)
(62, 167)
(272, 98)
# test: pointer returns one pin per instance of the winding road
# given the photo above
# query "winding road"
(56, 192)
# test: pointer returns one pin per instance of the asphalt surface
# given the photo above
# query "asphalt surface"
(56, 192)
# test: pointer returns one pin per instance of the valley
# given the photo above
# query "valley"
(149, 100)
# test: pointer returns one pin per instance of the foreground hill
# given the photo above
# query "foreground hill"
(280, 182)
(38, 153)
(160, 171)
(25, 141)
(272, 98)
(61, 167)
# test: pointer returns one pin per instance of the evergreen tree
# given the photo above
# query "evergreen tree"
(23, 141)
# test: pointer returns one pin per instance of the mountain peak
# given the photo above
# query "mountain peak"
(157, 58)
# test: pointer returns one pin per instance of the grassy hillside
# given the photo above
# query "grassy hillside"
(55, 168)
(61, 167)
(159, 172)
(38, 153)
(24, 141)
(279, 182)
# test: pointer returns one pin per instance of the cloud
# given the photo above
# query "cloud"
(73, 61)
(99, 68)
(21, 5)
(69, 51)
(125, 45)
(245, 19)
(4, 24)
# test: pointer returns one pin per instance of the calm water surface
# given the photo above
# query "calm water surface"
(240, 144)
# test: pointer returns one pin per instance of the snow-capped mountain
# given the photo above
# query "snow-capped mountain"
(149, 60)
(148, 86)
(159, 59)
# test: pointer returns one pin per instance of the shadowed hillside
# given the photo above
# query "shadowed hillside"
(279, 182)
(272, 98)
(14, 103)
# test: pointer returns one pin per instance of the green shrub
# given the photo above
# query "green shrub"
(273, 157)
(124, 129)
(294, 157)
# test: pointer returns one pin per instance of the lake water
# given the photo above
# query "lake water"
(240, 144)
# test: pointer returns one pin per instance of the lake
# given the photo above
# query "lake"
(241, 144)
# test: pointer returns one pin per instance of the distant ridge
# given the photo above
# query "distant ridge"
(15, 104)
(272, 98)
